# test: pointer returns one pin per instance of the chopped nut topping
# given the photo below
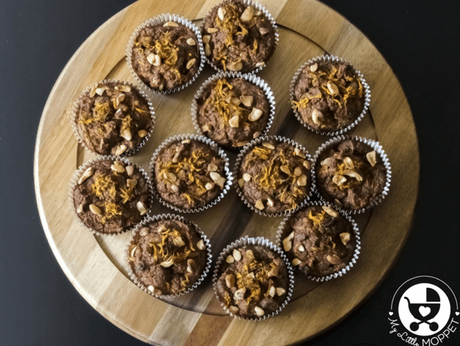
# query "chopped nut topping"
(287, 242)
(212, 30)
(130, 170)
(141, 208)
(280, 291)
(339, 180)
(233, 309)
(230, 259)
(144, 231)
(239, 294)
(345, 238)
(241, 182)
(270, 202)
(120, 149)
(200, 245)
(86, 174)
(236, 255)
(315, 116)
(247, 14)
(330, 211)
(233, 122)
(206, 38)
(190, 63)
(302, 181)
(172, 24)
(296, 262)
(313, 67)
(191, 42)
(95, 209)
(80, 208)
(334, 259)
(230, 280)
(372, 158)
(247, 177)
(259, 311)
(255, 114)
(247, 100)
(260, 205)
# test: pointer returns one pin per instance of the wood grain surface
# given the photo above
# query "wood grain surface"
(95, 265)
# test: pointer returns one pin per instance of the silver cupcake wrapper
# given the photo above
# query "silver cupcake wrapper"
(215, 148)
(378, 149)
(257, 81)
(74, 183)
(240, 158)
(280, 235)
(73, 116)
(367, 95)
(254, 241)
(266, 14)
(163, 18)
(152, 219)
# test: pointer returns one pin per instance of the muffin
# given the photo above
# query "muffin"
(273, 175)
(252, 281)
(188, 173)
(318, 240)
(165, 55)
(328, 95)
(112, 118)
(168, 256)
(350, 173)
(238, 37)
(110, 195)
(232, 111)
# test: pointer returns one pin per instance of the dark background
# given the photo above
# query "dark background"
(39, 306)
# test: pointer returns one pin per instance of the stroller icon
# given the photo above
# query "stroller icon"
(433, 303)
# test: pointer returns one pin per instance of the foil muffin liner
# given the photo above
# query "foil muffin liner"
(257, 81)
(283, 233)
(163, 18)
(267, 14)
(215, 148)
(254, 241)
(380, 152)
(151, 219)
(73, 116)
(367, 95)
(246, 150)
(83, 167)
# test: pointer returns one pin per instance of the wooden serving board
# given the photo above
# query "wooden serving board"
(95, 265)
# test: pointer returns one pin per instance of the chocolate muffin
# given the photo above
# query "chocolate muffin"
(112, 118)
(166, 56)
(252, 282)
(318, 241)
(167, 256)
(111, 196)
(351, 174)
(274, 175)
(232, 111)
(189, 174)
(328, 95)
(238, 37)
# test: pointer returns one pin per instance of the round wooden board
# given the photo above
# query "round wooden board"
(95, 265)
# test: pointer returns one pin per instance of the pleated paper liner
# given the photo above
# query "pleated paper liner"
(257, 81)
(164, 18)
(212, 145)
(284, 230)
(380, 152)
(257, 7)
(246, 149)
(73, 116)
(78, 173)
(367, 95)
(254, 241)
(154, 219)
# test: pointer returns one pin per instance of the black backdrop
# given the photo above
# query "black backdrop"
(39, 306)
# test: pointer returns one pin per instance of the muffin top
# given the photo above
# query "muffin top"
(232, 111)
(252, 281)
(350, 174)
(112, 118)
(238, 37)
(167, 256)
(166, 56)
(189, 174)
(318, 240)
(274, 176)
(328, 95)
(111, 196)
